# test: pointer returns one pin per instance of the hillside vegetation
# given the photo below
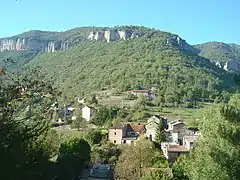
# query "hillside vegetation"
(18, 58)
(139, 63)
(218, 51)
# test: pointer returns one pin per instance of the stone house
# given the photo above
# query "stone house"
(177, 126)
(173, 151)
(152, 124)
(87, 112)
(125, 134)
(189, 140)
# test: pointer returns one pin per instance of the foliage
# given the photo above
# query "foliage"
(218, 51)
(94, 137)
(160, 134)
(79, 122)
(179, 168)
(73, 155)
(104, 114)
(157, 175)
(148, 61)
(159, 161)
(133, 159)
(106, 153)
(216, 155)
(27, 143)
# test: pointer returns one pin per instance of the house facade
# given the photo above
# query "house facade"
(188, 141)
(87, 113)
(152, 124)
(125, 134)
(180, 140)
(177, 126)
(173, 151)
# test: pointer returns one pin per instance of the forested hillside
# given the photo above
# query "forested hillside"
(218, 51)
(18, 58)
(140, 63)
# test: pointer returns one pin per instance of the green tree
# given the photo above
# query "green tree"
(133, 159)
(217, 152)
(160, 134)
(179, 170)
(78, 122)
(94, 137)
(73, 155)
(157, 175)
(25, 137)
(104, 114)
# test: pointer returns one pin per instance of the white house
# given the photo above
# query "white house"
(87, 113)
(152, 125)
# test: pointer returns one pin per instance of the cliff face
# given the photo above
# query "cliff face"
(10, 45)
(31, 45)
(111, 35)
(232, 66)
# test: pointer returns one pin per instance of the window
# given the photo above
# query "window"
(114, 141)
(132, 134)
(115, 133)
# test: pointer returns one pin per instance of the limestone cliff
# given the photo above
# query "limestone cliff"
(112, 35)
(232, 66)
(32, 45)
(10, 45)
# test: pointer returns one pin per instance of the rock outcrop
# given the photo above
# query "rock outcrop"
(64, 46)
(11, 45)
(32, 45)
(218, 64)
(232, 66)
(51, 47)
(112, 35)
(181, 44)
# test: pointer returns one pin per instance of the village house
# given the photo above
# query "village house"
(172, 151)
(87, 112)
(188, 141)
(125, 134)
(152, 124)
(177, 126)
(64, 113)
(145, 93)
(179, 140)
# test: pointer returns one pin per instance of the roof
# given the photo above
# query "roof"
(138, 128)
(135, 128)
(176, 122)
(177, 148)
(117, 126)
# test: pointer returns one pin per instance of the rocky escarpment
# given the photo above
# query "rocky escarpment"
(10, 45)
(232, 66)
(32, 45)
(181, 44)
(112, 35)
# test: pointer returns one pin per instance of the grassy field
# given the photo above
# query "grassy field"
(190, 115)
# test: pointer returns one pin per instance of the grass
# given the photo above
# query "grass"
(190, 115)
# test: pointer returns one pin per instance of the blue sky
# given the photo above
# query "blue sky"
(196, 21)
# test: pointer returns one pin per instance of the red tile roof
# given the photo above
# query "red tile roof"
(138, 128)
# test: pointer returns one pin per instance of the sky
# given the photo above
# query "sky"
(196, 21)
